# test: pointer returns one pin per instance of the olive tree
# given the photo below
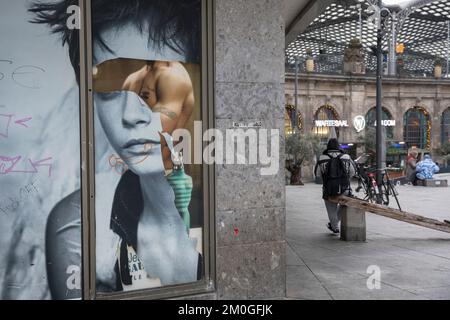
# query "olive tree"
(300, 148)
(444, 151)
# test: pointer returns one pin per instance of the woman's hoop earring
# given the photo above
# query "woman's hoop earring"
(118, 165)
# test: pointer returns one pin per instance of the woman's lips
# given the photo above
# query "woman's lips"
(140, 146)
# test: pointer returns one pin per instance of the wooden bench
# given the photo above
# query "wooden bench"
(353, 222)
(435, 183)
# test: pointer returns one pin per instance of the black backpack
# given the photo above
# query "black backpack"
(335, 177)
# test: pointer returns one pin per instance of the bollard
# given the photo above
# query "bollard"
(353, 224)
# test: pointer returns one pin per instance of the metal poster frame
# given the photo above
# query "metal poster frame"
(207, 285)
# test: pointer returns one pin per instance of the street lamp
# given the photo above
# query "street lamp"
(378, 17)
(380, 140)
(294, 121)
(400, 11)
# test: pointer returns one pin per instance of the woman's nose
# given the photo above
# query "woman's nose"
(136, 112)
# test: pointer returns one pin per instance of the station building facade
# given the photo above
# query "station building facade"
(416, 112)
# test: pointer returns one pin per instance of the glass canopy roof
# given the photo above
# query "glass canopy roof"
(424, 35)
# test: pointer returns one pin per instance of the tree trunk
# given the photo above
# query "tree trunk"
(296, 173)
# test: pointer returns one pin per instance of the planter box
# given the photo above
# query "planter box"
(445, 170)
(434, 183)
(395, 174)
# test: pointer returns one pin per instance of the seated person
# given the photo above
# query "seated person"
(426, 169)
(411, 164)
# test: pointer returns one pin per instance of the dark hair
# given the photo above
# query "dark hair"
(175, 23)
(333, 144)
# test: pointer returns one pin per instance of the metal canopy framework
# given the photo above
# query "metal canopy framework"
(424, 34)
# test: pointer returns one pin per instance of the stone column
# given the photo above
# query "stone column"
(436, 118)
(250, 218)
(353, 224)
(311, 103)
(398, 113)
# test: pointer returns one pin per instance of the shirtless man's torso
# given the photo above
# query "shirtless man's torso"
(166, 87)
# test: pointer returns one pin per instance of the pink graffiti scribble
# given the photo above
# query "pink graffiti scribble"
(8, 165)
(236, 232)
(21, 122)
(5, 124)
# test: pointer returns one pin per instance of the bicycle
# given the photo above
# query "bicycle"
(372, 192)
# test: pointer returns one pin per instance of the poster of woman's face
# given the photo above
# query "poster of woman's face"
(146, 79)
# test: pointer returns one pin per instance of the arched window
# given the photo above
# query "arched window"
(371, 120)
(417, 128)
(325, 132)
(446, 126)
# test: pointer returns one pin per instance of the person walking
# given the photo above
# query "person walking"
(336, 169)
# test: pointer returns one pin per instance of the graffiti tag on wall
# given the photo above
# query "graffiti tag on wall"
(6, 120)
(9, 165)
(12, 203)
(26, 76)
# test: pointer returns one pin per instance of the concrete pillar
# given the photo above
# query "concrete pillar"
(250, 207)
(436, 116)
(398, 116)
(309, 113)
(353, 224)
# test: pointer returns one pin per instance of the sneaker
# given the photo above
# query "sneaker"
(331, 229)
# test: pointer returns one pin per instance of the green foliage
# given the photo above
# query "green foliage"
(303, 147)
(444, 151)
(368, 139)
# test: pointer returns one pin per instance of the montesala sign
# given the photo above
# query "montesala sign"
(331, 123)
(359, 123)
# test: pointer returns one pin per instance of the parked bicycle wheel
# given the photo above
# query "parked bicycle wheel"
(386, 191)
(392, 190)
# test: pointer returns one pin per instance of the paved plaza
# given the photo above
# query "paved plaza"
(414, 261)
